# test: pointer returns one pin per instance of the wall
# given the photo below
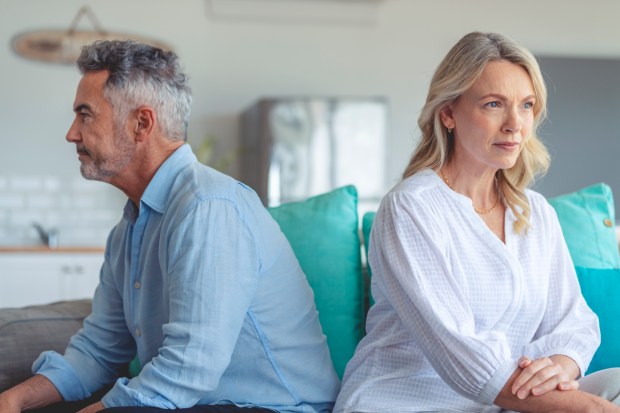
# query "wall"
(584, 104)
(235, 59)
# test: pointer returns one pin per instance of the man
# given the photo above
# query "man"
(198, 280)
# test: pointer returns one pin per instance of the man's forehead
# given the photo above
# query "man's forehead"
(90, 89)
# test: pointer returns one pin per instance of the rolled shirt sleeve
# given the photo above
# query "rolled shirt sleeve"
(99, 351)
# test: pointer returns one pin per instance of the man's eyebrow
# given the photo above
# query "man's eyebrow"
(83, 106)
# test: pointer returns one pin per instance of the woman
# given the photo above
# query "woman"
(477, 305)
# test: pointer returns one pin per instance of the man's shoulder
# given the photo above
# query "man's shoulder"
(199, 183)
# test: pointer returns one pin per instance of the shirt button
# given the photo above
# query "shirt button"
(137, 284)
(608, 222)
(138, 332)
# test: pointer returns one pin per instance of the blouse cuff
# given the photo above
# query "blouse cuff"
(490, 392)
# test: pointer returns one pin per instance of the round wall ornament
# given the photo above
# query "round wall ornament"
(65, 46)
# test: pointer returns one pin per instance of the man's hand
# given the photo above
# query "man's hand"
(543, 375)
(95, 407)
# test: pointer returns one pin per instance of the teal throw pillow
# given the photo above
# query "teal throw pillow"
(588, 224)
(323, 232)
(367, 221)
(134, 367)
(600, 288)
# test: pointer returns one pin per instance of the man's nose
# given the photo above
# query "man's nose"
(73, 134)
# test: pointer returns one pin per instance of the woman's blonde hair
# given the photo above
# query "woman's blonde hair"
(457, 72)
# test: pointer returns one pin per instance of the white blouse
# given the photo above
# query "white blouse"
(455, 307)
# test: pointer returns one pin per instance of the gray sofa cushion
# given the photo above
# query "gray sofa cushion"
(28, 331)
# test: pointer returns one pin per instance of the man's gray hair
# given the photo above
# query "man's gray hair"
(140, 75)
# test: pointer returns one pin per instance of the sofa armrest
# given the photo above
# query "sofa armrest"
(28, 331)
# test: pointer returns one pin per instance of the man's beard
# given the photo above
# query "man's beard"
(105, 166)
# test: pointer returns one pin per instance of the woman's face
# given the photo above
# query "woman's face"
(492, 119)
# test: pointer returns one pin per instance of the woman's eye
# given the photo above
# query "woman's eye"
(528, 105)
(493, 104)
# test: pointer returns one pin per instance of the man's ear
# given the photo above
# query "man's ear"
(144, 123)
(446, 117)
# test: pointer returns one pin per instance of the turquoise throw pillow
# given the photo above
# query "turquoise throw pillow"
(134, 367)
(588, 224)
(323, 231)
(367, 221)
(600, 288)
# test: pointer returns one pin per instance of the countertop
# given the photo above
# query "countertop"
(47, 250)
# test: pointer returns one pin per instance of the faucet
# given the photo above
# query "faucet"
(48, 238)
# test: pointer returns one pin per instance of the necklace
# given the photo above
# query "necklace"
(478, 211)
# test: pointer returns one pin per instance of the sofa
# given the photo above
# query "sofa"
(327, 237)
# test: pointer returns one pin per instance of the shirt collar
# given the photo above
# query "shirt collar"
(156, 193)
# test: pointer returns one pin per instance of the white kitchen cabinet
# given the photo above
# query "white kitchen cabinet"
(30, 278)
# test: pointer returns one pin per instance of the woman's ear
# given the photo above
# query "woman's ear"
(446, 117)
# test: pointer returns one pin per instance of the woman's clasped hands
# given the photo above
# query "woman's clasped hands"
(545, 374)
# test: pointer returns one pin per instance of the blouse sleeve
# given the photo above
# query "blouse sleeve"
(569, 327)
(411, 265)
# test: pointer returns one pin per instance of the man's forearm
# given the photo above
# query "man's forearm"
(556, 401)
(35, 392)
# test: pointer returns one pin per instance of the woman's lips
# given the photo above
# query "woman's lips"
(507, 146)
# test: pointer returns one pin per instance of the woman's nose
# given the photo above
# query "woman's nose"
(512, 123)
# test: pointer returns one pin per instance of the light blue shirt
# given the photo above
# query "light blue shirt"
(201, 282)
